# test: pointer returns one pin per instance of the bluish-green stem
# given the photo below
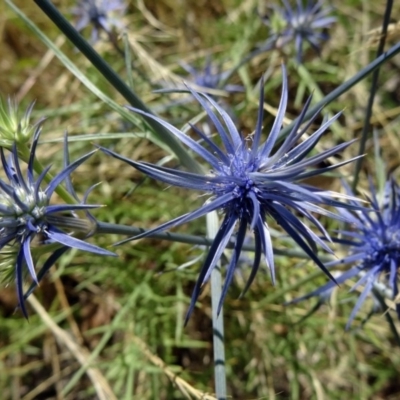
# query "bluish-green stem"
(217, 318)
(109, 228)
(374, 86)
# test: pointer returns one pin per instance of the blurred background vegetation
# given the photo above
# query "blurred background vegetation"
(105, 328)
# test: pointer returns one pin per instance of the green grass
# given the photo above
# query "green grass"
(113, 328)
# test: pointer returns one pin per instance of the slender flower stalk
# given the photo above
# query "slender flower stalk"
(28, 219)
(251, 182)
(373, 246)
(104, 228)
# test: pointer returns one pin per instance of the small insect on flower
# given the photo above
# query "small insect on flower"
(374, 246)
(301, 24)
(251, 182)
(27, 217)
(101, 14)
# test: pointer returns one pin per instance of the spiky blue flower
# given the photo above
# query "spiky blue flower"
(210, 76)
(27, 217)
(374, 246)
(250, 182)
(101, 14)
(303, 23)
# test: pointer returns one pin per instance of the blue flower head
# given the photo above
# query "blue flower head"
(374, 246)
(101, 14)
(27, 217)
(210, 76)
(250, 182)
(303, 23)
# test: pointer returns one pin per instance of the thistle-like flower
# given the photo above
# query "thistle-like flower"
(374, 246)
(250, 182)
(101, 14)
(27, 217)
(15, 127)
(301, 24)
(210, 76)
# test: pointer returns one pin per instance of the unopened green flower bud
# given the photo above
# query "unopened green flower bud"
(15, 127)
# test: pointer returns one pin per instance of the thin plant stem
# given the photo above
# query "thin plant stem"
(374, 85)
(217, 319)
(109, 228)
(218, 335)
